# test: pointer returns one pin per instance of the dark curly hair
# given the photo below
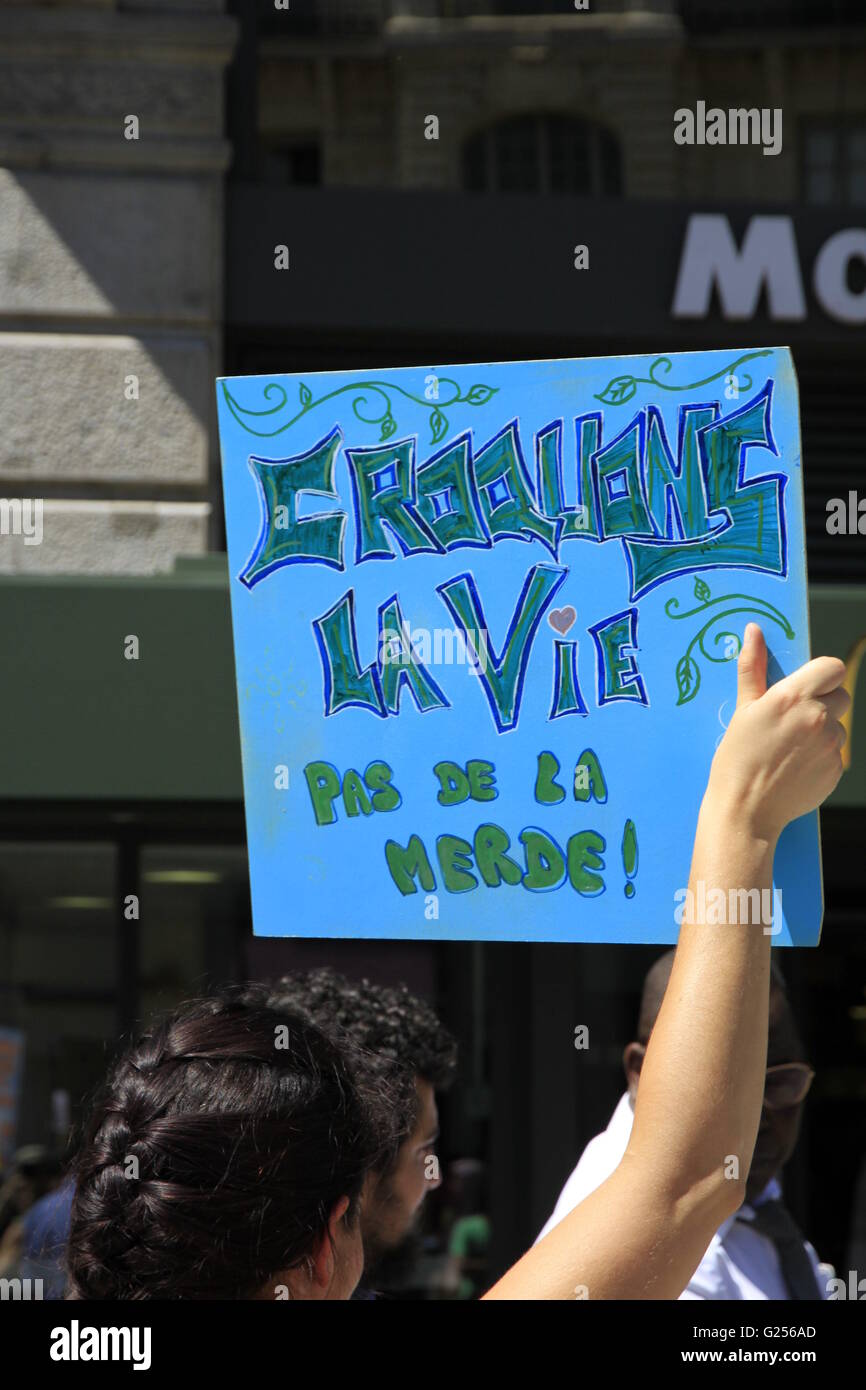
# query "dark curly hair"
(244, 1139)
(390, 1036)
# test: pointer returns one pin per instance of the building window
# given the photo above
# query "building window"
(543, 154)
(723, 16)
(295, 162)
(834, 163)
(517, 7)
(108, 916)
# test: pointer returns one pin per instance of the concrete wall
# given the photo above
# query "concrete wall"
(111, 277)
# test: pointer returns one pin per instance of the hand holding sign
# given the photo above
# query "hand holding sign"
(780, 757)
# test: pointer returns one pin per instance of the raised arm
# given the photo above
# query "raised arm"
(643, 1233)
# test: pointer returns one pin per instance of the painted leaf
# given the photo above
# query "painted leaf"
(479, 394)
(619, 390)
(389, 425)
(702, 591)
(688, 679)
(438, 425)
(306, 395)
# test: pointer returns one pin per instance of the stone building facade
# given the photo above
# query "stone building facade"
(113, 158)
(116, 148)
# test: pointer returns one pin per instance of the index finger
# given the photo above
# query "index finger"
(819, 676)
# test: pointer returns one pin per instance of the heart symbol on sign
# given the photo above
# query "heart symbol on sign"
(561, 619)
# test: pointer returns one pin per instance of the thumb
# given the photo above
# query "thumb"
(751, 666)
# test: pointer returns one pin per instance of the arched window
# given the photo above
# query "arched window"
(543, 154)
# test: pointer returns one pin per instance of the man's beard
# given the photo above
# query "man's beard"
(389, 1263)
(393, 1267)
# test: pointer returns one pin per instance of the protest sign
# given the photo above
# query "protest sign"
(485, 622)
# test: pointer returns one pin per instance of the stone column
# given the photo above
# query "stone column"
(112, 157)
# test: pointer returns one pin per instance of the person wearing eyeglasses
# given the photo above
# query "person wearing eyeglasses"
(758, 1253)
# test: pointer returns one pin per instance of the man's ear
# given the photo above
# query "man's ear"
(632, 1061)
(322, 1254)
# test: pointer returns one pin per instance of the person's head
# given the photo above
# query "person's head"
(788, 1073)
(402, 1055)
(38, 1170)
(224, 1159)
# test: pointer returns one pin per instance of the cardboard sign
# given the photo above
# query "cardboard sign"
(486, 620)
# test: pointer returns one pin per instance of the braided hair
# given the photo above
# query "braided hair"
(215, 1155)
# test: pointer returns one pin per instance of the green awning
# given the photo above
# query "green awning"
(82, 721)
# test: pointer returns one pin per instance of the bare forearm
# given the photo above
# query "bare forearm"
(699, 1100)
(642, 1233)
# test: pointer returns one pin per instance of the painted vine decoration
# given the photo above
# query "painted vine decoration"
(688, 672)
(364, 405)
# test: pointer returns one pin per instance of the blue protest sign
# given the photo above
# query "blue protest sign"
(485, 621)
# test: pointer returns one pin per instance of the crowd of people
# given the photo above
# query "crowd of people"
(278, 1141)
